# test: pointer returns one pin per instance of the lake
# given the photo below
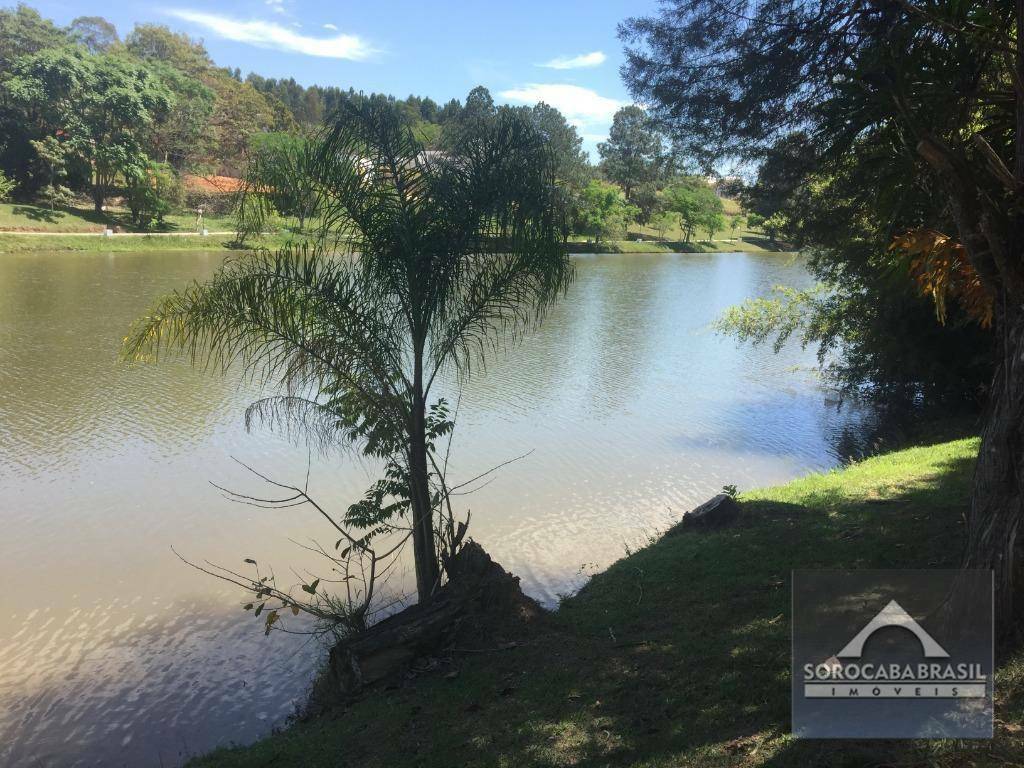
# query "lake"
(114, 652)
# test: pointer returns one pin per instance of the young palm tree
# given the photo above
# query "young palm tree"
(420, 261)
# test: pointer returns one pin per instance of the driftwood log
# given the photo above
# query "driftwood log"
(479, 593)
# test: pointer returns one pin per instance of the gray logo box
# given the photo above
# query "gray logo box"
(890, 654)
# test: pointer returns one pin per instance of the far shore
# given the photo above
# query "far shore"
(97, 242)
(30, 228)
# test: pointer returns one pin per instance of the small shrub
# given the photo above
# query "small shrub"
(6, 187)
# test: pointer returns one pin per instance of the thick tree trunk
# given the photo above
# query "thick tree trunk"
(424, 553)
(997, 504)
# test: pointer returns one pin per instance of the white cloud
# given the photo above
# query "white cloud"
(266, 34)
(277, 6)
(594, 59)
(581, 106)
(331, 27)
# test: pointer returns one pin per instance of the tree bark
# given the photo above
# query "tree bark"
(997, 502)
(98, 195)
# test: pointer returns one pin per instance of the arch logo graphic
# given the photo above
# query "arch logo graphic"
(892, 654)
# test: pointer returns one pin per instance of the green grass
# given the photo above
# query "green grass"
(64, 224)
(19, 217)
(731, 207)
(62, 242)
(746, 241)
(677, 655)
(12, 243)
(75, 228)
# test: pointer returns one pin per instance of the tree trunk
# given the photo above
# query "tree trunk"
(98, 195)
(424, 554)
(997, 501)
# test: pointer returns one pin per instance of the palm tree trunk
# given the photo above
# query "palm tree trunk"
(424, 554)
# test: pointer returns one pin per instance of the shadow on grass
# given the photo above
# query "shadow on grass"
(35, 213)
(767, 243)
(677, 655)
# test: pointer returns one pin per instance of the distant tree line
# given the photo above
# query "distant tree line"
(85, 112)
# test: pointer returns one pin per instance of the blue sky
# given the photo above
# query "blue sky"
(565, 53)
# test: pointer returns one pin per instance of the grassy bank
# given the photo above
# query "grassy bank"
(21, 217)
(92, 244)
(28, 228)
(677, 655)
(747, 243)
(12, 242)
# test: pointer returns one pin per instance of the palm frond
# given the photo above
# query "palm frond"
(296, 316)
(298, 417)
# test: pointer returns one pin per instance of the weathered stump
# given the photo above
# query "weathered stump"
(479, 593)
(717, 512)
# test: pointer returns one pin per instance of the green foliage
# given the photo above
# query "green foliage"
(94, 32)
(633, 151)
(602, 211)
(663, 221)
(112, 106)
(713, 222)
(239, 112)
(450, 255)
(153, 42)
(55, 196)
(786, 312)
(875, 334)
(863, 127)
(183, 138)
(152, 191)
(565, 144)
(281, 180)
(101, 107)
(24, 32)
(696, 205)
(7, 187)
(647, 199)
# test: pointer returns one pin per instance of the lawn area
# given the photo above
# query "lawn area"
(19, 217)
(678, 654)
(64, 223)
(10, 243)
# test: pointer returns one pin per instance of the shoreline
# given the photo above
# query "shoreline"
(737, 245)
(633, 671)
(92, 242)
(12, 242)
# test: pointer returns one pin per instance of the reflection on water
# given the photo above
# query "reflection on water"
(115, 653)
